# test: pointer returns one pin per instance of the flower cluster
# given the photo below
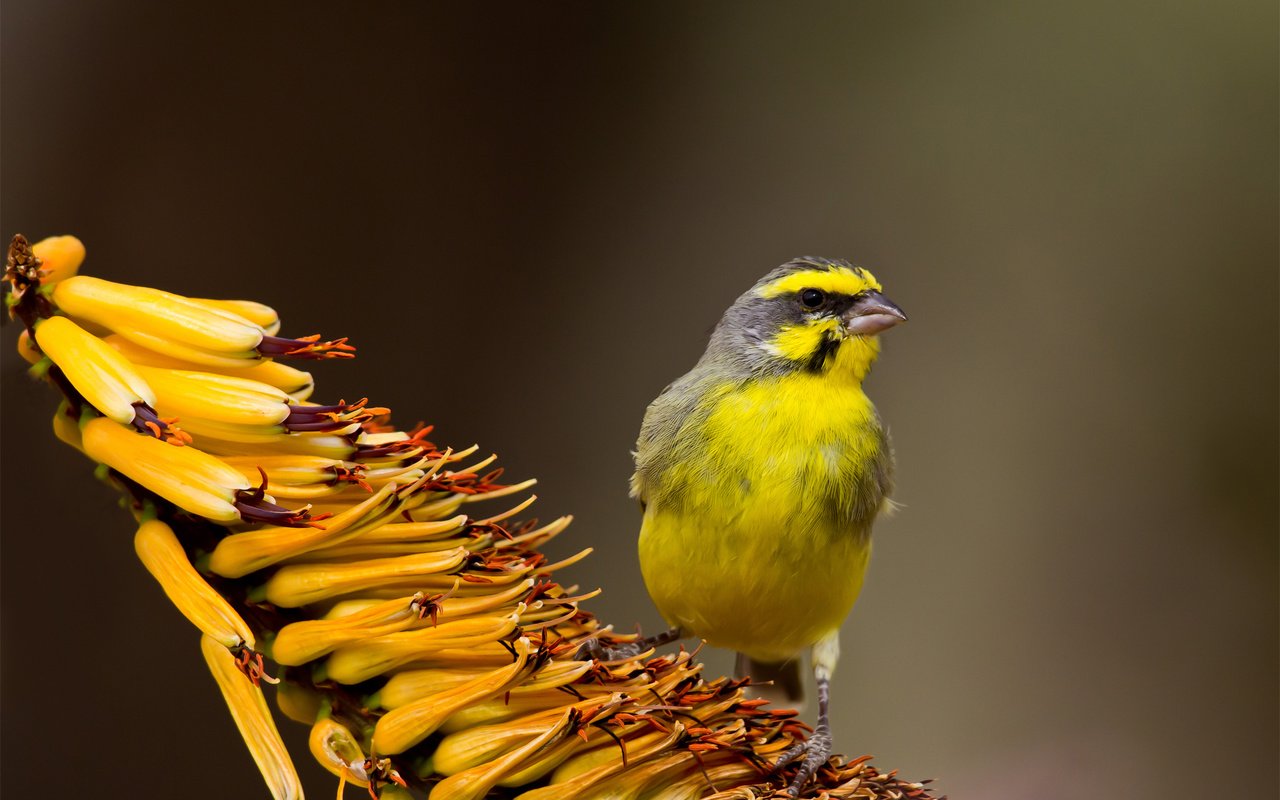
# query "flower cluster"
(426, 644)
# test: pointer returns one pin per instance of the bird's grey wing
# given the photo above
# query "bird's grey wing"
(660, 432)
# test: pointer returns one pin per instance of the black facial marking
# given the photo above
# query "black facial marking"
(826, 349)
(840, 303)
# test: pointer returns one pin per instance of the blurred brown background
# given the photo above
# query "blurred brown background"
(529, 217)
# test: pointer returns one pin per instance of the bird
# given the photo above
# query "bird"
(760, 473)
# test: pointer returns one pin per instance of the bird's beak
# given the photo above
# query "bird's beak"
(872, 313)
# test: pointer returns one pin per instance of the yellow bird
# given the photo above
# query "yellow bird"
(760, 473)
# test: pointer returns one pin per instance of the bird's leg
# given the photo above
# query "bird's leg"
(817, 748)
(594, 650)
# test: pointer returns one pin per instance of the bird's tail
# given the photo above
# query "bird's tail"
(787, 689)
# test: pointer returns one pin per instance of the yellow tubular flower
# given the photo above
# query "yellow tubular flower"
(367, 659)
(481, 744)
(237, 409)
(367, 448)
(604, 763)
(190, 479)
(399, 538)
(476, 782)
(60, 257)
(412, 685)
(181, 327)
(636, 781)
(592, 745)
(249, 710)
(502, 709)
(27, 349)
(352, 605)
(161, 314)
(537, 767)
(695, 781)
(298, 384)
(241, 553)
(261, 435)
(298, 470)
(676, 777)
(360, 550)
(336, 749)
(217, 398)
(589, 761)
(302, 584)
(307, 493)
(322, 445)
(104, 378)
(66, 428)
(395, 532)
(485, 654)
(263, 316)
(378, 471)
(301, 642)
(402, 728)
(443, 606)
(314, 477)
(162, 554)
(514, 488)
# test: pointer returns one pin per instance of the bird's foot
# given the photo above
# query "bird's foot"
(814, 751)
(594, 650)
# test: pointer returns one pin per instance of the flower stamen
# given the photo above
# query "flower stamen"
(166, 429)
(250, 662)
(309, 347)
(254, 507)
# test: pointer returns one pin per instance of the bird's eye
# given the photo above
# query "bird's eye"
(812, 298)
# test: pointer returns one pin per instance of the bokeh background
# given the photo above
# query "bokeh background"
(529, 217)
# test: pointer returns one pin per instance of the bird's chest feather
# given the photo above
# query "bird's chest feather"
(797, 451)
(770, 501)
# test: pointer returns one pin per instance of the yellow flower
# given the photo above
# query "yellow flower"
(252, 717)
(180, 327)
(162, 554)
(104, 378)
(190, 479)
(60, 257)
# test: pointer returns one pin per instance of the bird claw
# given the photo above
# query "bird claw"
(594, 651)
(815, 750)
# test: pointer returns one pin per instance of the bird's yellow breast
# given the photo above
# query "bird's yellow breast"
(760, 535)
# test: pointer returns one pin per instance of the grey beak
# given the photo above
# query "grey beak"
(872, 313)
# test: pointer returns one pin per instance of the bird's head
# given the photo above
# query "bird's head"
(817, 315)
